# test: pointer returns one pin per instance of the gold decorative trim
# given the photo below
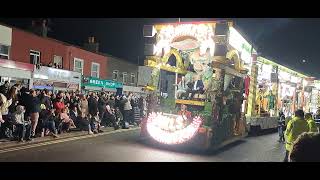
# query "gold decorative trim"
(190, 102)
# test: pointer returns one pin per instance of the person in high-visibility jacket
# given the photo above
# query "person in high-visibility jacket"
(311, 123)
(296, 126)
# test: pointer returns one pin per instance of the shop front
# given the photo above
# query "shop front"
(15, 72)
(96, 84)
(56, 79)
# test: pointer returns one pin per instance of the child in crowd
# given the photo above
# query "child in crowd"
(67, 122)
(23, 125)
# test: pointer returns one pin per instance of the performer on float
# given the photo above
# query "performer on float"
(184, 112)
(182, 88)
(271, 102)
(196, 87)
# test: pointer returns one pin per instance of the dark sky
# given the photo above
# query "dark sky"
(287, 41)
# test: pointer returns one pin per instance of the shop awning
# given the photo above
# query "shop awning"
(95, 88)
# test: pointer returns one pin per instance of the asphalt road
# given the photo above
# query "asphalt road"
(128, 147)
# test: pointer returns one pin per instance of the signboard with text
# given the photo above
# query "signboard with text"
(96, 82)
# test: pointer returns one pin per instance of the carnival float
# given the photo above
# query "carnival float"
(197, 84)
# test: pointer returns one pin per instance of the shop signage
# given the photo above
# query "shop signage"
(57, 74)
(101, 83)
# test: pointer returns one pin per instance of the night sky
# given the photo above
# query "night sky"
(284, 40)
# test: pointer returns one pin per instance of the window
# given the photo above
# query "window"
(4, 51)
(124, 77)
(78, 65)
(95, 68)
(115, 74)
(133, 76)
(58, 61)
(34, 57)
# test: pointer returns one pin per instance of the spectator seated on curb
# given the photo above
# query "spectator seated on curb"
(306, 148)
(95, 123)
(23, 127)
(48, 119)
(84, 123)
(67, 122)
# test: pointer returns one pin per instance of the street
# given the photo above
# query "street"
(127, 147)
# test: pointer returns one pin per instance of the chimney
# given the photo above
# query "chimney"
(91, 45)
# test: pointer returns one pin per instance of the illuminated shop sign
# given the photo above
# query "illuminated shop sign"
(240, 44)
(49, 73)
(101, 83)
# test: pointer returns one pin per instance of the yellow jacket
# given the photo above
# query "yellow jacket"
(312, 125)
(295, 127)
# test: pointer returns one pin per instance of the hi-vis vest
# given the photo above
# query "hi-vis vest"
(295, 127)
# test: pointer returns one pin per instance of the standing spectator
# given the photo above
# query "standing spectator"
(67, 99)
(311, 123)
(13, 97)
(23, 126)
(127, 109)
(93, 105)
(112, 101)
(1, 119)
(281, 127)
(5, 126)
(5, 87)
(135, 110)
(295, 127)
(102, 105)
(34, 109)
(59, 105)
(45, 99)
(83, 105)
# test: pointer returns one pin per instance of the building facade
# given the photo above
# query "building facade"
(125, 72)
(22, 71)
(30, 48)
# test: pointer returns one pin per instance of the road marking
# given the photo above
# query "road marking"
(63, 140)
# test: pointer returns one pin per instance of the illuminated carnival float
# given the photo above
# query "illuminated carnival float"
(275, 88)
(197, 84)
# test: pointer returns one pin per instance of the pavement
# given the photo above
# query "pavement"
(127, 146)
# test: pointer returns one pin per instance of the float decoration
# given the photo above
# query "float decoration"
(171, 130)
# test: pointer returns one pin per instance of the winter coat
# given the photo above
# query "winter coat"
(93, 105)
(102, 104)
(59, 106)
